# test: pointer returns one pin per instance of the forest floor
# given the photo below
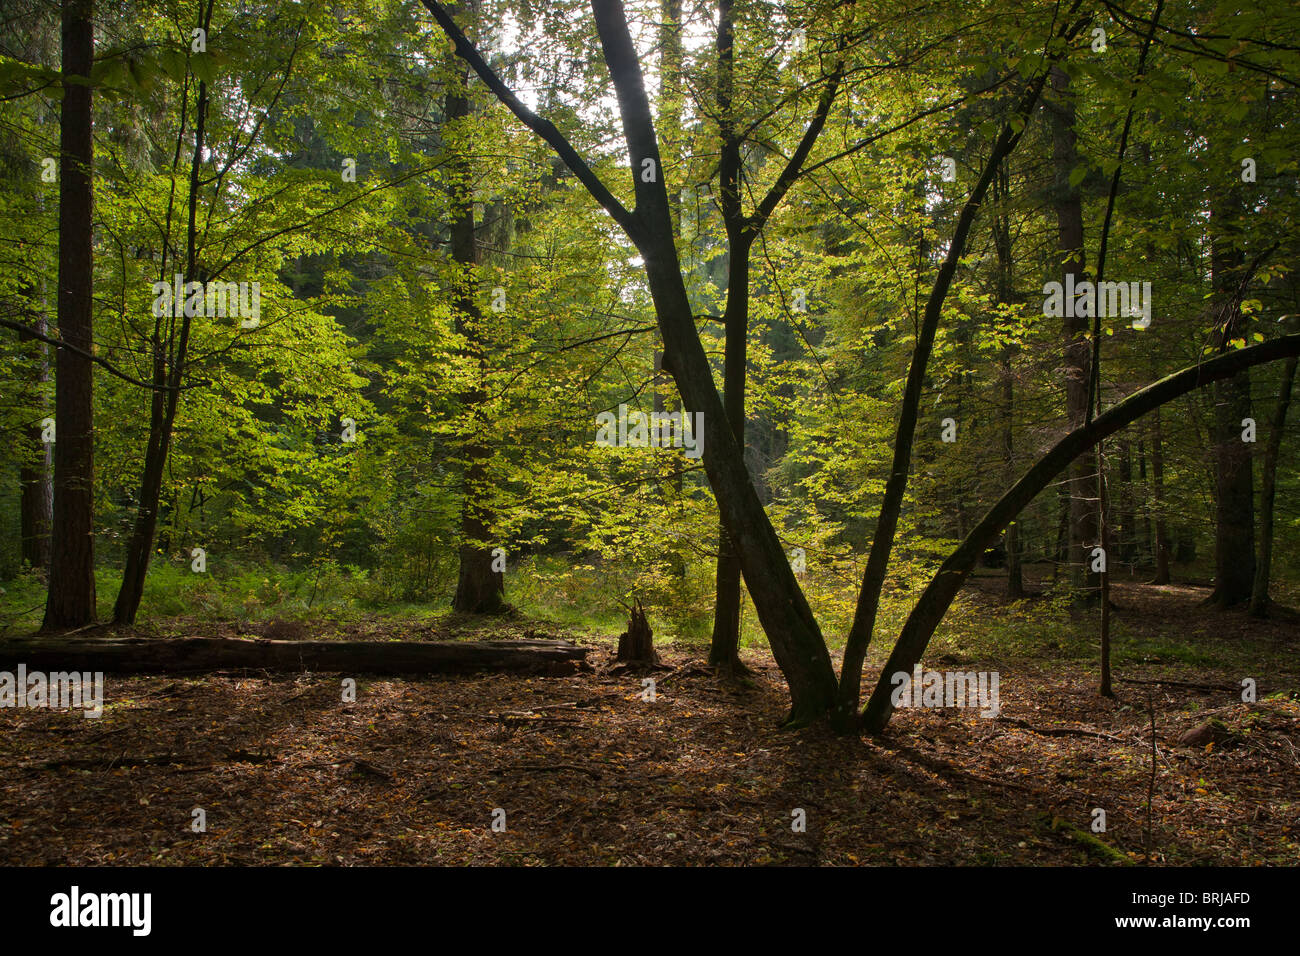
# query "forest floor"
(589, 772)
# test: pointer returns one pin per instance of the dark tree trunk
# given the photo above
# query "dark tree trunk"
(1103, 513)
(479, 588)
(671, 106)
(1015, 577)
(1147, 544)
(1234, 539)
(169, 354)
(36, 505)
(1068, 203)
(1002, 241)
(71, 598)
(1125, 512)
(1259, 599)
(725, 645)
(1062, 559)
(1234, 480)
(1158, 494)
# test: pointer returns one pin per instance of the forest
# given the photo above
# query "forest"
(649, 432)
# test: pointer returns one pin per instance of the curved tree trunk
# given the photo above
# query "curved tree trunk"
(948, 580)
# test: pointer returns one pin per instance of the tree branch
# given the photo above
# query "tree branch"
(60, 344)
(634, 108)
(542, 127)
(794, 168)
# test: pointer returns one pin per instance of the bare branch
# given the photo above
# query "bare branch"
(542, 127)
(60, 344)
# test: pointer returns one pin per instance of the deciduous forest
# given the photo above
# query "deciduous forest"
(644, 432)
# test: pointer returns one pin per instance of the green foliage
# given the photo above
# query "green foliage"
(362, 316)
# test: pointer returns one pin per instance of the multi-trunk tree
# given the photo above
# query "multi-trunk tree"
(793, 632)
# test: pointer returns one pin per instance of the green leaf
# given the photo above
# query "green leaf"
(204, 66)
(173, 64)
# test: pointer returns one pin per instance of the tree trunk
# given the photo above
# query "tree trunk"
(873, 579)
(1234, 539)
(1002, 242)
(724, 649)
(1126, 536)
(671, 108)
(479, 588)
(1062, 556)
(1103, 516)
(36, 505)
(1234, 480)
(948, 580)
(71, 598)
(1259, 599)
(169, 355)
(1015, 577)
(1068, 203)
(1158, 493)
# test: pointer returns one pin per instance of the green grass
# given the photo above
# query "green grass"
(589, 595)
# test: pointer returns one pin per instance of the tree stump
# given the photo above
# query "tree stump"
(636, 644)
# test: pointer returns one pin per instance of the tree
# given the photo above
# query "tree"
(1083, 484)
(1259, 599)
(71, 599)
(741, 232)
(170, 352)
(947, 581)
(1234, 499)
(37, 502)
(480, 584)
(787, 619)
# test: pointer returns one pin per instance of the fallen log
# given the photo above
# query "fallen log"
(197, 654)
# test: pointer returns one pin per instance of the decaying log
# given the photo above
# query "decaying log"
(190, 654)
